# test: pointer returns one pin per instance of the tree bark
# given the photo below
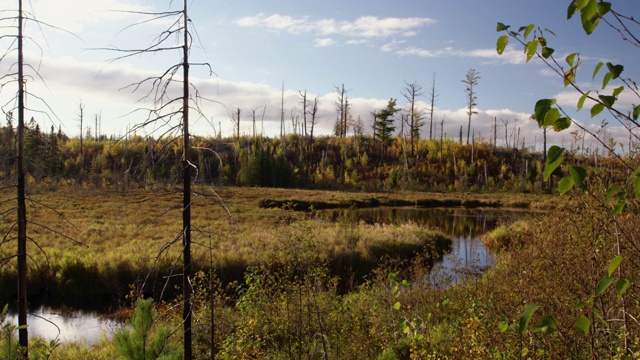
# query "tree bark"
(186, 205)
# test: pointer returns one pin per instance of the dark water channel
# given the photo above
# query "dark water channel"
(468, 255)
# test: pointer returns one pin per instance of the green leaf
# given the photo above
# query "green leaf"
(565, 184)
(605, 80)
(617, 91)
(547, 52)
(636, 112)
(502, 44)
(603, 284)
(578, 174)
(528, 30)
(582, 325)
(620, 207)
(548, 325)
(622, 286)
(530, 49)
(612, 191)
(541, 108)
(526, 316)
(561, 124)
(596, 69)
(604, 8)
(607, 100)
(554, 153)
(554, 159)
(582, 304)
(502, 27)
(589, 16)
(582, 99)
(580, 4)
(615, 70)
(571, 58)
(613, 264)
(551, 116)
(504, 325)
(637, 183)
(596, 109)
(571, 10)
(396, 306)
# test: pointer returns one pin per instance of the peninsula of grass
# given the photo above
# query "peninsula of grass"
(91, 247)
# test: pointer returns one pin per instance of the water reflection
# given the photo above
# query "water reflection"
(468, 255)
(72, 326)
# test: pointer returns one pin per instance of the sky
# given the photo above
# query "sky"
(255, 48)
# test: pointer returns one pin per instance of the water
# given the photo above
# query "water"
(468, 257)
(67, 326)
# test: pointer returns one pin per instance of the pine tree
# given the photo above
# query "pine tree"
(383, 126)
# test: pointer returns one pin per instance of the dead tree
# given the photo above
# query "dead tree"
(432, 96)
(471, 80)
(163, 111)
(410, 92)
(342, 107)
(18, 105)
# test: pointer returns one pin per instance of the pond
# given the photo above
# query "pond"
(468, 255)
(67, 326)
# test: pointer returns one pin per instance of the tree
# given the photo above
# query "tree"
(614, 193)
(140, 341)
(314, 119)
(549, 113)
(432, 105)
(163, 110)
(410, 92)
(470, 81)
(383, 120)
(342, 108)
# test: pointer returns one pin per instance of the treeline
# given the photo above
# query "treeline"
(358, 163)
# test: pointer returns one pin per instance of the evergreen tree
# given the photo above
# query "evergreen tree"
(383, 120)
(141, 342)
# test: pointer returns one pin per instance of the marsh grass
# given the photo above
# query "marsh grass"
(506, 236)
(117, 242)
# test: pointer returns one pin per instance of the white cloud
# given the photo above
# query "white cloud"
(388, 47)
(508, 56)
(324, 42)
(362, 27)
(76, 15)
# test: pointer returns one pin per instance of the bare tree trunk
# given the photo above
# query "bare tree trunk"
(433, 101)
(314, 112)
(282, 112)
(187, 291)
(495, 131)
(23, 336)
(81, 114)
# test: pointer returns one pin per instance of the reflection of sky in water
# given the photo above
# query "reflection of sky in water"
(75, 326)
(468, 256)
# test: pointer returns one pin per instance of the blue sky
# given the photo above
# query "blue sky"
(372, 47)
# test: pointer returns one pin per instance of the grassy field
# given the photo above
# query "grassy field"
(89, 245)
(277, 287)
